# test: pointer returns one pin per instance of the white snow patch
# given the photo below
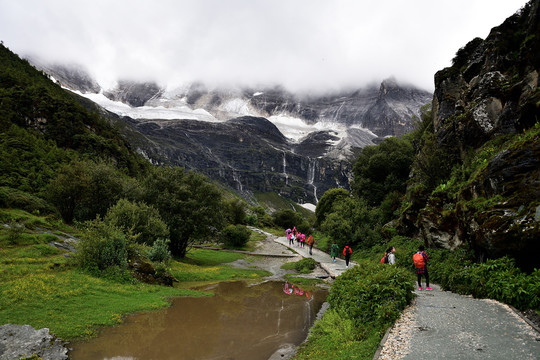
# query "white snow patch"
(167, 112)
(237, 106)
(309, 206)
(258, 93)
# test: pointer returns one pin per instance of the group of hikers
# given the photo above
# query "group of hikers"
(420, 258)
(293, 234)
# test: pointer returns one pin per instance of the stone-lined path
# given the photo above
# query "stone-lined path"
(332, 268)
(444, 325)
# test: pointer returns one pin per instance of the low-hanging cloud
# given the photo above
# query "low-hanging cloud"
(301, 44)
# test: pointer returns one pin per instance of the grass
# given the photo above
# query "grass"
(202, 265)
(39, 286)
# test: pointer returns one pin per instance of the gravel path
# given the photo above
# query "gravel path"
(443, 325)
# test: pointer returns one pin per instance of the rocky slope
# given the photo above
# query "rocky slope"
(486, 112)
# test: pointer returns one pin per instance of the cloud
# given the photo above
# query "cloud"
(301, 44)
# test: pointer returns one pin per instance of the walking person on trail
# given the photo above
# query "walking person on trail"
(420, 260)
(310, 241)
(334, 250)
(347, 252)
(291, 239)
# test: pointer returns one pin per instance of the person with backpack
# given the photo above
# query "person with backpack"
(420, 260)
(389, 256)
(334, 250)
(347, 252)
(310, 241)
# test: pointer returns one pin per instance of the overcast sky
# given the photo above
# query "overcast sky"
(301, 44)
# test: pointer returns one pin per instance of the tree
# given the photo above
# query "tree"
(287, 218)
(191, 207)
(326, 203)
(83, 189)
(382, 169)
(139, 220)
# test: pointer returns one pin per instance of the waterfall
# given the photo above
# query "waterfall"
(236, 178)
(311, 177)
(285, 169)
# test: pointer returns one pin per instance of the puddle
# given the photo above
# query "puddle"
(239, 322)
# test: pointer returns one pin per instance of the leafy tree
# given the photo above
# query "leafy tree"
(287, 218)
(382, 169)
(191, 206)
(84, 189)
(69, 189)
(326, 203)
(139, 220)
(354, 222)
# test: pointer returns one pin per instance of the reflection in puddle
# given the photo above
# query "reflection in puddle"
(239, 322)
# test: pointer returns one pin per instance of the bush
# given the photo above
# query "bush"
(14, 233)
(497, 279)
(305, 266)
(139, 220)
(372, 295)
(235, 236)
(102, 246)
(159, 252)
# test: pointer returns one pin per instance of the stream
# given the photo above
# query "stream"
(239, 322)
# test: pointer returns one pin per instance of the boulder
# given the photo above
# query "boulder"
(23, 341)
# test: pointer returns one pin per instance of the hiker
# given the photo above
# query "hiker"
(291, 239)
(310, 242)
(347, 252)
(420, 260)
(303, 240)
(288, 231)
(298, 236)
(334, 250)
(390, 257)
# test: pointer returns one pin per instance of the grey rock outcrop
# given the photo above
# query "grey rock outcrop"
(23, 341)
(490, 94)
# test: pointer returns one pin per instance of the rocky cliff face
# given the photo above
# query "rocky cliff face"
(481, 104)
(247, 154)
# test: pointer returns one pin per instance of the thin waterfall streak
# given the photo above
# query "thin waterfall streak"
(285, 169)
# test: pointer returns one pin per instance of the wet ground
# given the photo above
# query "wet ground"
(239, 322)
(262, 321)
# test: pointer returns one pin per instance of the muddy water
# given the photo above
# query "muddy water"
(239, 322)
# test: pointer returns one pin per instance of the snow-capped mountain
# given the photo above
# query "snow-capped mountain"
(265, 139)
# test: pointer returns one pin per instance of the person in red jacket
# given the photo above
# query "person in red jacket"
(310, 241)
(347, 252)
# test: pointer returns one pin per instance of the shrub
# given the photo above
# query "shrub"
(235, 236)
(372, 295)
(305, 266)
(14, 233)
(139, 220)
(102, 246)
(159, 252)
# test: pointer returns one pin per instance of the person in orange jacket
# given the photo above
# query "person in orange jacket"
(347, 252)
(310, 241)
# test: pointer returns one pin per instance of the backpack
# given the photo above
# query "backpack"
(419, 261)
(348, 251)
(384, 259)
